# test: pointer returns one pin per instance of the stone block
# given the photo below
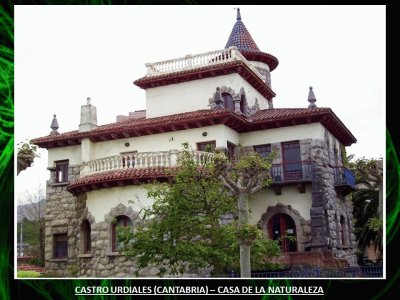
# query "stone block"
(316, 211)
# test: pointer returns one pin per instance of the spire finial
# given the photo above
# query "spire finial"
(88, 100)
(238, 17)
(311, 98)
(54, 126)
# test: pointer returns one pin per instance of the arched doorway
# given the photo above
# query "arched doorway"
(281, 225)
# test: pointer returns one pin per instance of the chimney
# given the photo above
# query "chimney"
(88, 117)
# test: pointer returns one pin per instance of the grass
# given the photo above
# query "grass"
(27, 274)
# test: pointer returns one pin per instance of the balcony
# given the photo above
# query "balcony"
(297, 173)
(138, 160)
(345, 180)
(190, 62)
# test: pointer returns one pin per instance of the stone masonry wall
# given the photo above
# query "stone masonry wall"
(61, 218)
(328, 209)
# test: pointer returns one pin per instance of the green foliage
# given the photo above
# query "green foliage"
(30, 231)
(36, 262)
(247, 234)
(27, 274)
(375, 224)
(182, 231)
(263, 253)
(368, 226)
(26, 153)
(28, 149)
(367, 171)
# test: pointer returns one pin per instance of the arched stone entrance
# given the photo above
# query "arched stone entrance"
(280, 227)
(279, 215)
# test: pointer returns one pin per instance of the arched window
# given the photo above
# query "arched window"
(282, 225)
(86, 240)
(243, 105)
(228, 101)
(343, 230)
(121, 221)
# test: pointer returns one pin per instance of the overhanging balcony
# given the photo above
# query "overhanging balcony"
(137, 160)
(298, 173)
(345, 180)
(129, 169)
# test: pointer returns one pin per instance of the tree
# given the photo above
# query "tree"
(245, 177)
(184, 229)
(32, 216)
(26, 153)
(367, 202)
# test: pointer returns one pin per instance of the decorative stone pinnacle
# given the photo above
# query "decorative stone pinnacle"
(238, 16)
(218, 98)
(311, 98)
(88, 100)
(54, 126)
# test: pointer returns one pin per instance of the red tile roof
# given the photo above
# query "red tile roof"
(284, 113)
(263, 119)
(241, 38)
(118, 178)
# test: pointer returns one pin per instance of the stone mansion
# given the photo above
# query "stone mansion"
(220, 99)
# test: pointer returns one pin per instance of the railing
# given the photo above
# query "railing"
(189, 62)
(293, 171)
(138, 160)
(344, 176)
(318, 272)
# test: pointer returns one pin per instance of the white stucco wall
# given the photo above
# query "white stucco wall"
(194, 95)
(100, 202)
(290, 196)
(73, 153)
(166, 141)
(260, 64)
(283, 134)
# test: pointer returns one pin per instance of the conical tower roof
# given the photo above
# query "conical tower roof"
(241, 38)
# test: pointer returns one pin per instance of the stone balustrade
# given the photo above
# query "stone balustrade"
(189, 62)
(137, 160)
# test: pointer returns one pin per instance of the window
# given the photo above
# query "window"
(263, 150)
(206, 146)
(60, 245)
(61, 174)
(335, 154)
(243, 105)
(343, 230)
(86, 237)
(121, 221)
(228, 101)
(292, 167)
(282, 225)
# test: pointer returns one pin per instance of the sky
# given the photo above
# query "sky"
(64, 54)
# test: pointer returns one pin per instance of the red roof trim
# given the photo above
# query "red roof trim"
(269, 59)
(118, 178)
(263, 119)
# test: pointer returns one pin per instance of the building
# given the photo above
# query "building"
(219, 98)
